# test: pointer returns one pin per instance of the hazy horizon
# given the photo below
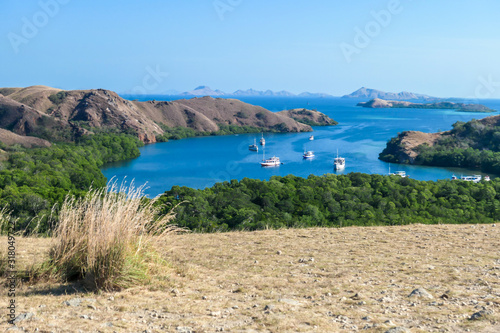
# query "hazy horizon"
(444, 49)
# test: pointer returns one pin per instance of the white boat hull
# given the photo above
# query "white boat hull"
(270, 164)
(339, 167)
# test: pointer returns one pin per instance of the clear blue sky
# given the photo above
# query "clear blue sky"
(440, 48)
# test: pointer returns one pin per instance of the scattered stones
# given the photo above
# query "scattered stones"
(111, 298)
(93, 307)
(421, 292)
(24, 316)
(480, 314)
(444, 296)
(278, 252)
(84, 317)
(289, 301)
(396, 330)
(269, 307)
(73, 302)
(215, 313)
(182, 329)
(78, 301)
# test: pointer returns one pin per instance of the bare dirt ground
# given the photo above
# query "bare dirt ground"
(413, 139)
(305, 280)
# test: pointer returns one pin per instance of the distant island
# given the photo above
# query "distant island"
(461, 107)
(207, 91)
(373, 93)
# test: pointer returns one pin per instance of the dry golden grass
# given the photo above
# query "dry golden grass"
(108, 238)
(310, 280)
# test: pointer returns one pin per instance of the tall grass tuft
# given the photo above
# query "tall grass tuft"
(109, 238)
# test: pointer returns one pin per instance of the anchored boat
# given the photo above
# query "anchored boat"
(308, 154)
(253, 147)
(339, 162)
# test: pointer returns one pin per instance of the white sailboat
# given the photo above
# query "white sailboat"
(253, 147)
(339, 162)
(262, 140)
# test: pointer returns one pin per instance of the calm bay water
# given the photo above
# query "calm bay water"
(360, 136)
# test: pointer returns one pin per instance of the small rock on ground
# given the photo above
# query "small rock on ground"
(396, 330)
(23, 316)
(420, 292)
(480, 314)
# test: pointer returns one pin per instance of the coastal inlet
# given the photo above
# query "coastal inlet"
(360, 136)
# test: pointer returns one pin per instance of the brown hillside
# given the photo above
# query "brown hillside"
(9, 138)
(99, 108)
(308, 116)
(24, 120)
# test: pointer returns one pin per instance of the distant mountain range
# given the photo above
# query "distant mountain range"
(207, 91)
(362, 93)
(373, 93)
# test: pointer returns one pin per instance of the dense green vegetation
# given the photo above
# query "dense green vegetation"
(58, 98)
(461, 107)
(177, 133)
(472, 145)
(33, 180)
(332, 201)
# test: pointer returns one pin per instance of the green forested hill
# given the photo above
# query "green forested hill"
(331, 200)
(33, 180)
(474, 144)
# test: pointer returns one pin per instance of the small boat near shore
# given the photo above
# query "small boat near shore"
(401, 174)
(474, 178)
(311, 138)
(339, 162)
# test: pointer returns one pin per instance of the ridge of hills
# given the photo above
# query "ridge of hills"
(207, 91)
(55, 114)
(368, 93)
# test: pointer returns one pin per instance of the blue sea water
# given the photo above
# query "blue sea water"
(360, 136)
